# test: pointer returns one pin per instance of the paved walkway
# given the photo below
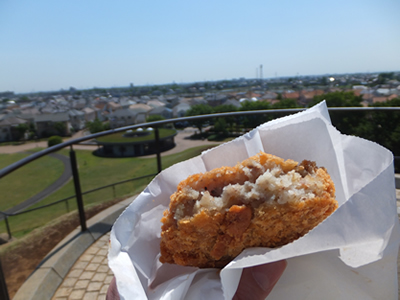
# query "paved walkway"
(90, 276)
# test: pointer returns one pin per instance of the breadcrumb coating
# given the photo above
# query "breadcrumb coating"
(263, 201)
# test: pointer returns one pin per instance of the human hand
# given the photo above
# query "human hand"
(112, 292)
(256, 282)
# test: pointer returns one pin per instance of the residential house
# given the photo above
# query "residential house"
(180, 110)
(291, 95)
(155, 103)
(141, 111)
(171, 101)
(215, 99)
(8, 127)
(101, 110)
(140, 108)
(79, 103)
(368, 98)
(90, 114)
(112, 106)
(29, 112)
(125, 102)
(269, 96)
(77, 119)
(144, 99)
(163, 111)
(383, 91)
(46, 124)
(122, 117)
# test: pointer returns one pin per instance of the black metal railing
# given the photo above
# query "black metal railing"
(75, 173)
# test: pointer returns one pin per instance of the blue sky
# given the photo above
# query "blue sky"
(51, 45)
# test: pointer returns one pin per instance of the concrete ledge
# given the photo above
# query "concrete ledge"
(40, 286)
(44, 281)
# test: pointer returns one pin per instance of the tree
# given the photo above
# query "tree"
(282, 104)
(385, 126)
(220, 126)
(227, 120)
(338, 99)
(24, 98)
(285, 103)
(60, 128)
(21, 129)
(154, 118)
(255, 120)
(324, 80)
(95, 126)
(196, 110)
(347, 122)
(383, 77)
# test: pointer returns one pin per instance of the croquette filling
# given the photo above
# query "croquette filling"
(258, 184)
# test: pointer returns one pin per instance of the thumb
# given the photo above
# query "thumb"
(257, 282)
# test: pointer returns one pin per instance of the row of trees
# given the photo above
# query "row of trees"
(382, 127)
(224, 125)
(27, 131)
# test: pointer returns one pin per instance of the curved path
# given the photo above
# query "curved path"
(182, 142)
(65, 176)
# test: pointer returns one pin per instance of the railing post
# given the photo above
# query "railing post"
(7, 226)
(157, 137)
(78, 192)
(3, 285)
(67, 205)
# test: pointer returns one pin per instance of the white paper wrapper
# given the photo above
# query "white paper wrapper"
(351, 255)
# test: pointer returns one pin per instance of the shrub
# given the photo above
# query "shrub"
(213, 137)
(54, 140)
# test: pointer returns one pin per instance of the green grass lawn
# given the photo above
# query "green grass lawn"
(119, 138)
(94, 172)
(27, 181)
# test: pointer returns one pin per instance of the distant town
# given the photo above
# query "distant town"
(44, 114)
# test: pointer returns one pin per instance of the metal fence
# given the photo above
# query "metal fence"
(75, 173)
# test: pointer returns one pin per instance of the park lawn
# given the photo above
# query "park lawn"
(95, 172)
(28, 180)
(119, 138)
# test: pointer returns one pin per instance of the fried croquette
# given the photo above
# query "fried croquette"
(264, 201)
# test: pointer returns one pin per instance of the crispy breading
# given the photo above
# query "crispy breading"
(264, 201)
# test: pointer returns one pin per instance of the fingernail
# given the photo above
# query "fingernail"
(268, 275)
